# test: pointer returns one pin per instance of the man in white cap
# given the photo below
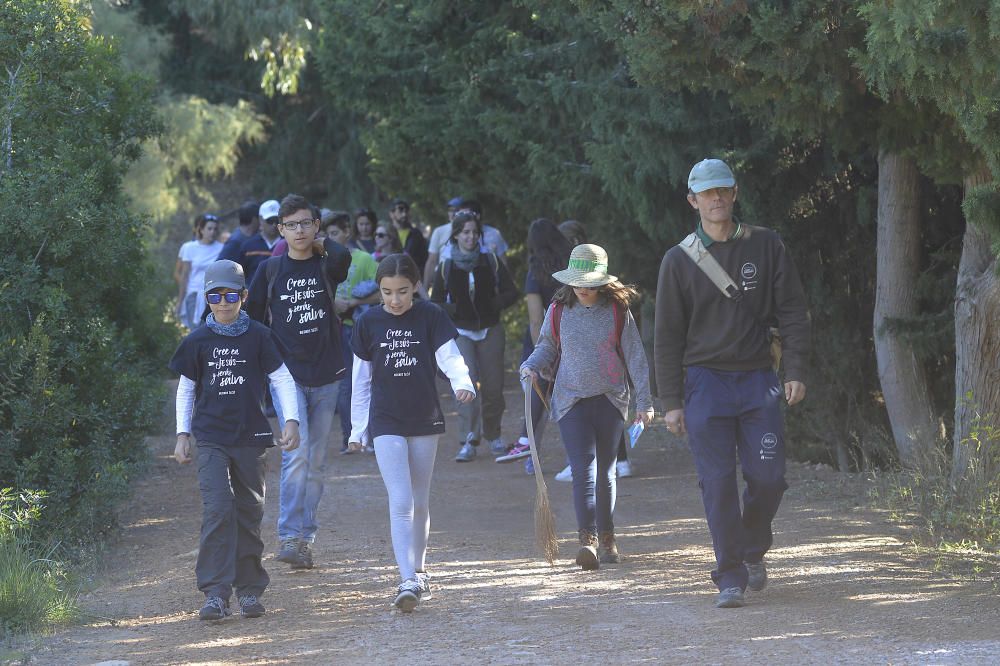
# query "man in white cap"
(258, 248)
(721, 293)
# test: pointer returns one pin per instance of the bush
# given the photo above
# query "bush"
(81, 342)
(32, 589)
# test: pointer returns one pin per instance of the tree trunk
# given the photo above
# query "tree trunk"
(977, 340)
(903, 378)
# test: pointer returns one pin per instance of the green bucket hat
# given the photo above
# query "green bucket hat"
(588, 267)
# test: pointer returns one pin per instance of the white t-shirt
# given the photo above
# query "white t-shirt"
(441, 235)
(200, 255)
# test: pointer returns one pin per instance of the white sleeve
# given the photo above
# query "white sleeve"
(450, 360)
(184, 404)
(361, 392)
(288, 398)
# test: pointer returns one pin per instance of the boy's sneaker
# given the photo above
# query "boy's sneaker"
(467, 453)
(305, 556)
(289, 551)
(497, 447)
(731, 597)
(424, 579)
(250, 606)
(516, 452)
(565, 475)
(757, 579)
(407, 595)
(624, 469)
(215, 608)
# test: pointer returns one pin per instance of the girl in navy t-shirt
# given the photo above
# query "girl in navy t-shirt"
(397, 348)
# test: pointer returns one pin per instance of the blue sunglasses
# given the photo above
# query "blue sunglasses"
(216, 298)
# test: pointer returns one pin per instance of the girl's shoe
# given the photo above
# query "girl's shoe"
(407, 595)
(565, 475)
(516, 452)
(424, 579)
(608, 553)
(529, 467)
(586, 557)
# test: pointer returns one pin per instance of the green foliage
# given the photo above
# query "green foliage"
(964, 514)
(78, 333)
(32, 589)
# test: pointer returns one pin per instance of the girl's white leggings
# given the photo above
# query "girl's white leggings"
(406, 464)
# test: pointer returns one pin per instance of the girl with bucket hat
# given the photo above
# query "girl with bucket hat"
(590, 347)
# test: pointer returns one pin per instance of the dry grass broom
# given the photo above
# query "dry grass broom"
(545, 522)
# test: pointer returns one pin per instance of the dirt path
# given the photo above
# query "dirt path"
(845, 586)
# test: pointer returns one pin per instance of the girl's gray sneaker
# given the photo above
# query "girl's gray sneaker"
(424, 579)
(407, 595)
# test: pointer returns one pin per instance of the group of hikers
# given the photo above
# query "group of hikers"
(357, 317)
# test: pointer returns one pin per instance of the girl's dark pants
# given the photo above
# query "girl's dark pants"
(590, 431)
(231, 479)
(729, 414)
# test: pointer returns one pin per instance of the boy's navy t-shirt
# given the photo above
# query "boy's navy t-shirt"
(230, 374)
(303, 319)
(404, 395)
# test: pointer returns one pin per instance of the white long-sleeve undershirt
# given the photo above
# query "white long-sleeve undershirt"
(284, 386)
(449, 360)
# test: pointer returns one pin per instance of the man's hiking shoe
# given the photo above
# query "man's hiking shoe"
(289, 551)
(497, 447)
(757, 579)
(731, 597)
(586, 557)
(424, 579)
(250, 606)
(305, 556)
(466, 454)
(215, 608)
(407, 595)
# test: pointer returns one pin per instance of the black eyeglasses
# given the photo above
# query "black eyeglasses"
(215, 298)
(305, 224)
(381, 234)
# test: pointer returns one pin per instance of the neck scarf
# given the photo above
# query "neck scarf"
(238, 327)
(467, 261)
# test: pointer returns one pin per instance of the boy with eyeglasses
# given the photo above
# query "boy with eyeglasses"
(223, 368)
(294, 294)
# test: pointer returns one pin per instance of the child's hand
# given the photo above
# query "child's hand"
(182, 452)
(354, 447)
(464, 396)
(289, 440)
(647, 416)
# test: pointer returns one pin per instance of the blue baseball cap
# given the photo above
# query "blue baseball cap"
(709, 174)
(456, 202)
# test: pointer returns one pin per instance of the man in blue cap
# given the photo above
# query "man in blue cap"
(721, 294)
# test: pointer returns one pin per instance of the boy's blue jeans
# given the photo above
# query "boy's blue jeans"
(729, 414)
(302, 469)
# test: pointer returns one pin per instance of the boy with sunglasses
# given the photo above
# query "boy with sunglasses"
(223, 368)
(294, 294)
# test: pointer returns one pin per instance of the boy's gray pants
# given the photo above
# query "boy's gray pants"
(231, 479)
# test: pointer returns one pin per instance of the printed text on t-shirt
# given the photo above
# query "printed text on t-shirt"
(301, 295)
(225, 362)
(397, 344)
